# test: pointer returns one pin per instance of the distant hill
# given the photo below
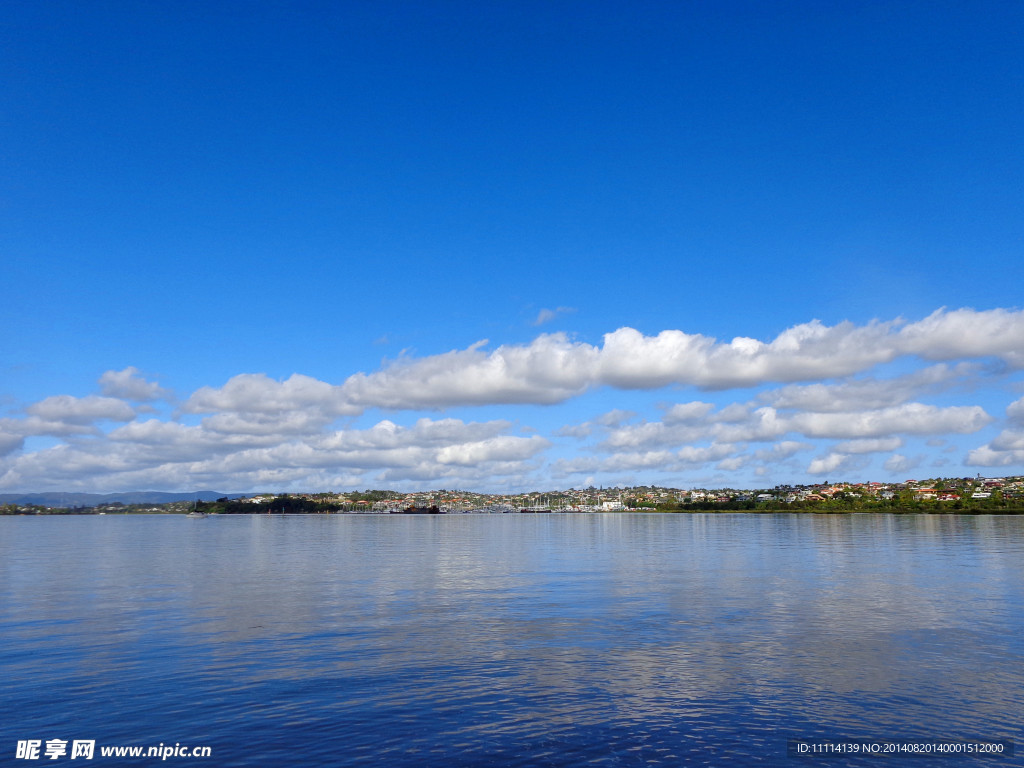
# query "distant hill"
(59, 499)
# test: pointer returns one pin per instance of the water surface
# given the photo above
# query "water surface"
(519, 640)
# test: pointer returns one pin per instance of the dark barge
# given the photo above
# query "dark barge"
(432, 510)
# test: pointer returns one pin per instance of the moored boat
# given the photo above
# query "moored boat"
(432, 510)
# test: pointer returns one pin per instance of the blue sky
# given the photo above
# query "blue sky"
(312, 246)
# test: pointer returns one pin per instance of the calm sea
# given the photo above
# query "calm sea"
(510, 640)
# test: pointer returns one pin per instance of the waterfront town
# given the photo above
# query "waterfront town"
(940, 495)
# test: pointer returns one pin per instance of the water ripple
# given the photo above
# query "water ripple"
(610, 640)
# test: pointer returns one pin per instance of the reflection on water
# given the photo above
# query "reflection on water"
(511, 640)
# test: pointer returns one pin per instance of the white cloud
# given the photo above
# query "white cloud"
(81, 410)
(153, 432)
(869, 393)
(425, 432)
(761, 424)
(551, 368)
(966, 333)
(900, 464)
(504, 448)
(688, 413)
(812, 350)
(911, 418)
(170, 455)
(1007, 448)
(702, 455)
(579, 431)
(732, 463)
(986, 456)
(128, 385)
(293, 422)
(1009, 440)
(828, 464)
(255, 404)
(1015, 412)
(64, 415)
(10, 442)
(686, 458)
(547, 315)
(616, 417)
(782, 450)
(258, 393)
(256, 429)
(870, 445)
(767, 424)
(612, 419)
(648, 435)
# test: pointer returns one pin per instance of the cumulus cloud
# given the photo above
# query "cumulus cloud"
(616, 417)
(630, 360)
(987, 456)
(295, 422)
(868, 431)
(258, 393)
(687, 413)
(686, 458)
(552, 368)
(10, 442)
(255, 404)
(733, 463)
(254, 429)
(867, 393)
(910, 418)
(1009, 440)
(81, 410)
(64, 415)
(547, 315)
(870, 445)
(782, 450)
(578, 431)
(129, 385)
(1007, 448)
(172, 455)
(900, 464)
(827, 464)
(549, 370)
(966, 333)
(1015, 412)
(833, 463)
(700, 455)
(505, 448)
